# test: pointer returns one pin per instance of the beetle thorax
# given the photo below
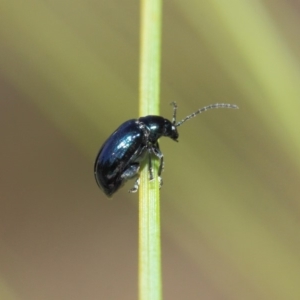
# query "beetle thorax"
(158, 127)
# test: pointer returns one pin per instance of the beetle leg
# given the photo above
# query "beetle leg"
(135, 187)
(158, 154)
(131, 172)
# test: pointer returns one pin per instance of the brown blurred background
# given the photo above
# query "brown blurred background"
(231, 196)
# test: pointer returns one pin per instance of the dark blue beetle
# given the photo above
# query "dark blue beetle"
(120, 156)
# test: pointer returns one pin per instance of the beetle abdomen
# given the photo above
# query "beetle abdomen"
(119, 151)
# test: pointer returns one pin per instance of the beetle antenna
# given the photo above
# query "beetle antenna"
(201, 110)
(174, 111)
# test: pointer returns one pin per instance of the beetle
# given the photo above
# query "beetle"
(121, 155)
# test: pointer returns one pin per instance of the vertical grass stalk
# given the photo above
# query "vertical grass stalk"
(149, 204)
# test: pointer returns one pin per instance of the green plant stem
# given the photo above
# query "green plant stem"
(149, 204)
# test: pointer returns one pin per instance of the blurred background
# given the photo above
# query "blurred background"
(231, 196)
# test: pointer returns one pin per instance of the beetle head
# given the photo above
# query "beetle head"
(170, 130)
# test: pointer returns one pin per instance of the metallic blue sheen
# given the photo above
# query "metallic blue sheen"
(119, 158)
